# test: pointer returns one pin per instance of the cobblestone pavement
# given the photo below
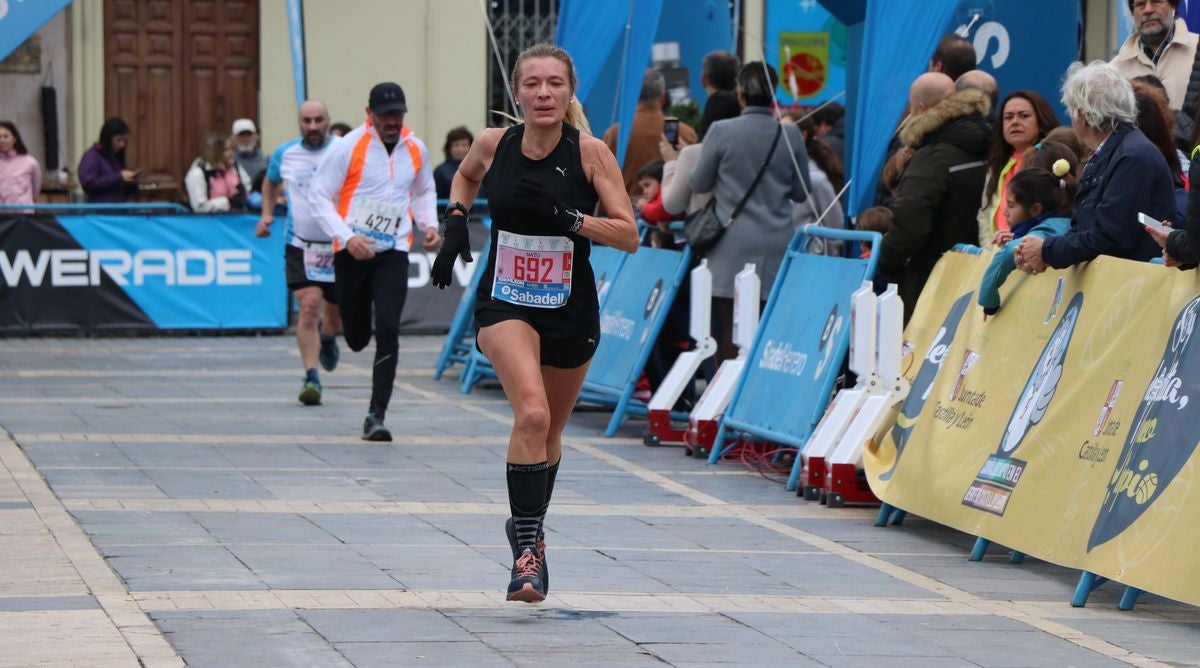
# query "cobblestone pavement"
(167, 501)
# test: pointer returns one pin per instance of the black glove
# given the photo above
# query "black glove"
(456, 242)
(536, 198)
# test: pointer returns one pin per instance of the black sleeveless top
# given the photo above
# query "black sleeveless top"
(562, 172)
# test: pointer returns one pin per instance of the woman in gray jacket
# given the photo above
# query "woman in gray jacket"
(730, 156)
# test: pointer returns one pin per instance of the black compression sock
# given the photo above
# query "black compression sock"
(551, 474)
(527, 500)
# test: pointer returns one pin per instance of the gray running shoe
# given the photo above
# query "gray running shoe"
(526, 584)
(373, 429)
(510, 530)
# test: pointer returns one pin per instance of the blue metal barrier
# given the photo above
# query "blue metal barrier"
(460, 346)
(631, 317)
(779, 396)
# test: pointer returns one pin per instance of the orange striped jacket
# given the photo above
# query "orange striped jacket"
(358, 169)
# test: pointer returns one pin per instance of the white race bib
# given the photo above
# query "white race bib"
(377, 222)
(318, 262)
(533, 271)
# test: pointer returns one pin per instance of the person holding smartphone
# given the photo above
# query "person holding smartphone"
(649, 125)
(102, 171)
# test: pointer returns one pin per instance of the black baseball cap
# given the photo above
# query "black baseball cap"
(387, 97)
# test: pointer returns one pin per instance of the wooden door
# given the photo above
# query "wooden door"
(177, 70)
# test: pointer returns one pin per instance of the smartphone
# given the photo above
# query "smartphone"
(1147, 221)
(671, 131)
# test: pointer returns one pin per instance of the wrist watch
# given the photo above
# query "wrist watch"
(455, 206)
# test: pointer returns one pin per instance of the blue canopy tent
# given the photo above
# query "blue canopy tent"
(893, 41)
(611, 42)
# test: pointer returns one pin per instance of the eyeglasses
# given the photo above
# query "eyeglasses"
(1139, 5)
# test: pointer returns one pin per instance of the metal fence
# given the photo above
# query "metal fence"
(518, 25)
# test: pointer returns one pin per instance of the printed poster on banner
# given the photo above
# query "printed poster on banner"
(1070, 438)
(807, 47)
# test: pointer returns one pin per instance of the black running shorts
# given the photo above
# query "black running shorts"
(297, 278)
(568, 353)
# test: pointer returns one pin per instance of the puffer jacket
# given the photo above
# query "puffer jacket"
(938, 196)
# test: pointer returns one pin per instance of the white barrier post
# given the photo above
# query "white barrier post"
(705, 416)
(886, 388)
(658, 414)
(845, 405)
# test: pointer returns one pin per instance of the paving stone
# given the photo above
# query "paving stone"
(132, 527)
(259, 528)
(432, 654)
(195, 567)
(385, 626)
(42, 603)
(312, 567)
(208, 485)
(257, 638)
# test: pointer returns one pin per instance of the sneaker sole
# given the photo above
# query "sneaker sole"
(378, 436)
(310, 396)
(527, 594)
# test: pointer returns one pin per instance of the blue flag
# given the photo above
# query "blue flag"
(21, 18)
(295, 16)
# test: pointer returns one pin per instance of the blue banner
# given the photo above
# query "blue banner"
(643, 287)
(295, 16)
(1024, 43)
(896, 46)
(799, 348)
(183, 272)
(21, 18)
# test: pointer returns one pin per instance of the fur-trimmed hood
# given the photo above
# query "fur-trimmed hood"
(920, 129)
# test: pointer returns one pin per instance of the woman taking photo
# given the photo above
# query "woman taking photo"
(536, 306)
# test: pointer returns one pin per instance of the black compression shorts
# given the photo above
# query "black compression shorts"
(568, 353)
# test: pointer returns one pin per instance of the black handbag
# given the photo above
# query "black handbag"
(703, 229)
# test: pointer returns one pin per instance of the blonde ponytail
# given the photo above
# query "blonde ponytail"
(576, 118)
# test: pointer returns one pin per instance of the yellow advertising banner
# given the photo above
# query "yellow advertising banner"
(1065, 426)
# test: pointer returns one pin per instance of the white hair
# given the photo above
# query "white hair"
(1100, 94)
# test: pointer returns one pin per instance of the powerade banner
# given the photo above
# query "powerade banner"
(1065, 426)
(139, 273)
(643, 287)
(799, 347)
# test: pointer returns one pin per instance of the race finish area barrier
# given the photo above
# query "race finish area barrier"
(121, 272)
(705, 418)
(631, 315)
(832, 458)
(460, 340)
(1063, 427)
(800, 344)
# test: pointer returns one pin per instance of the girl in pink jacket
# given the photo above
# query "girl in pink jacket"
(20, 173)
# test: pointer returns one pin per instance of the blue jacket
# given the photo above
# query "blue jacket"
(1003, 261)
(1125, 177)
